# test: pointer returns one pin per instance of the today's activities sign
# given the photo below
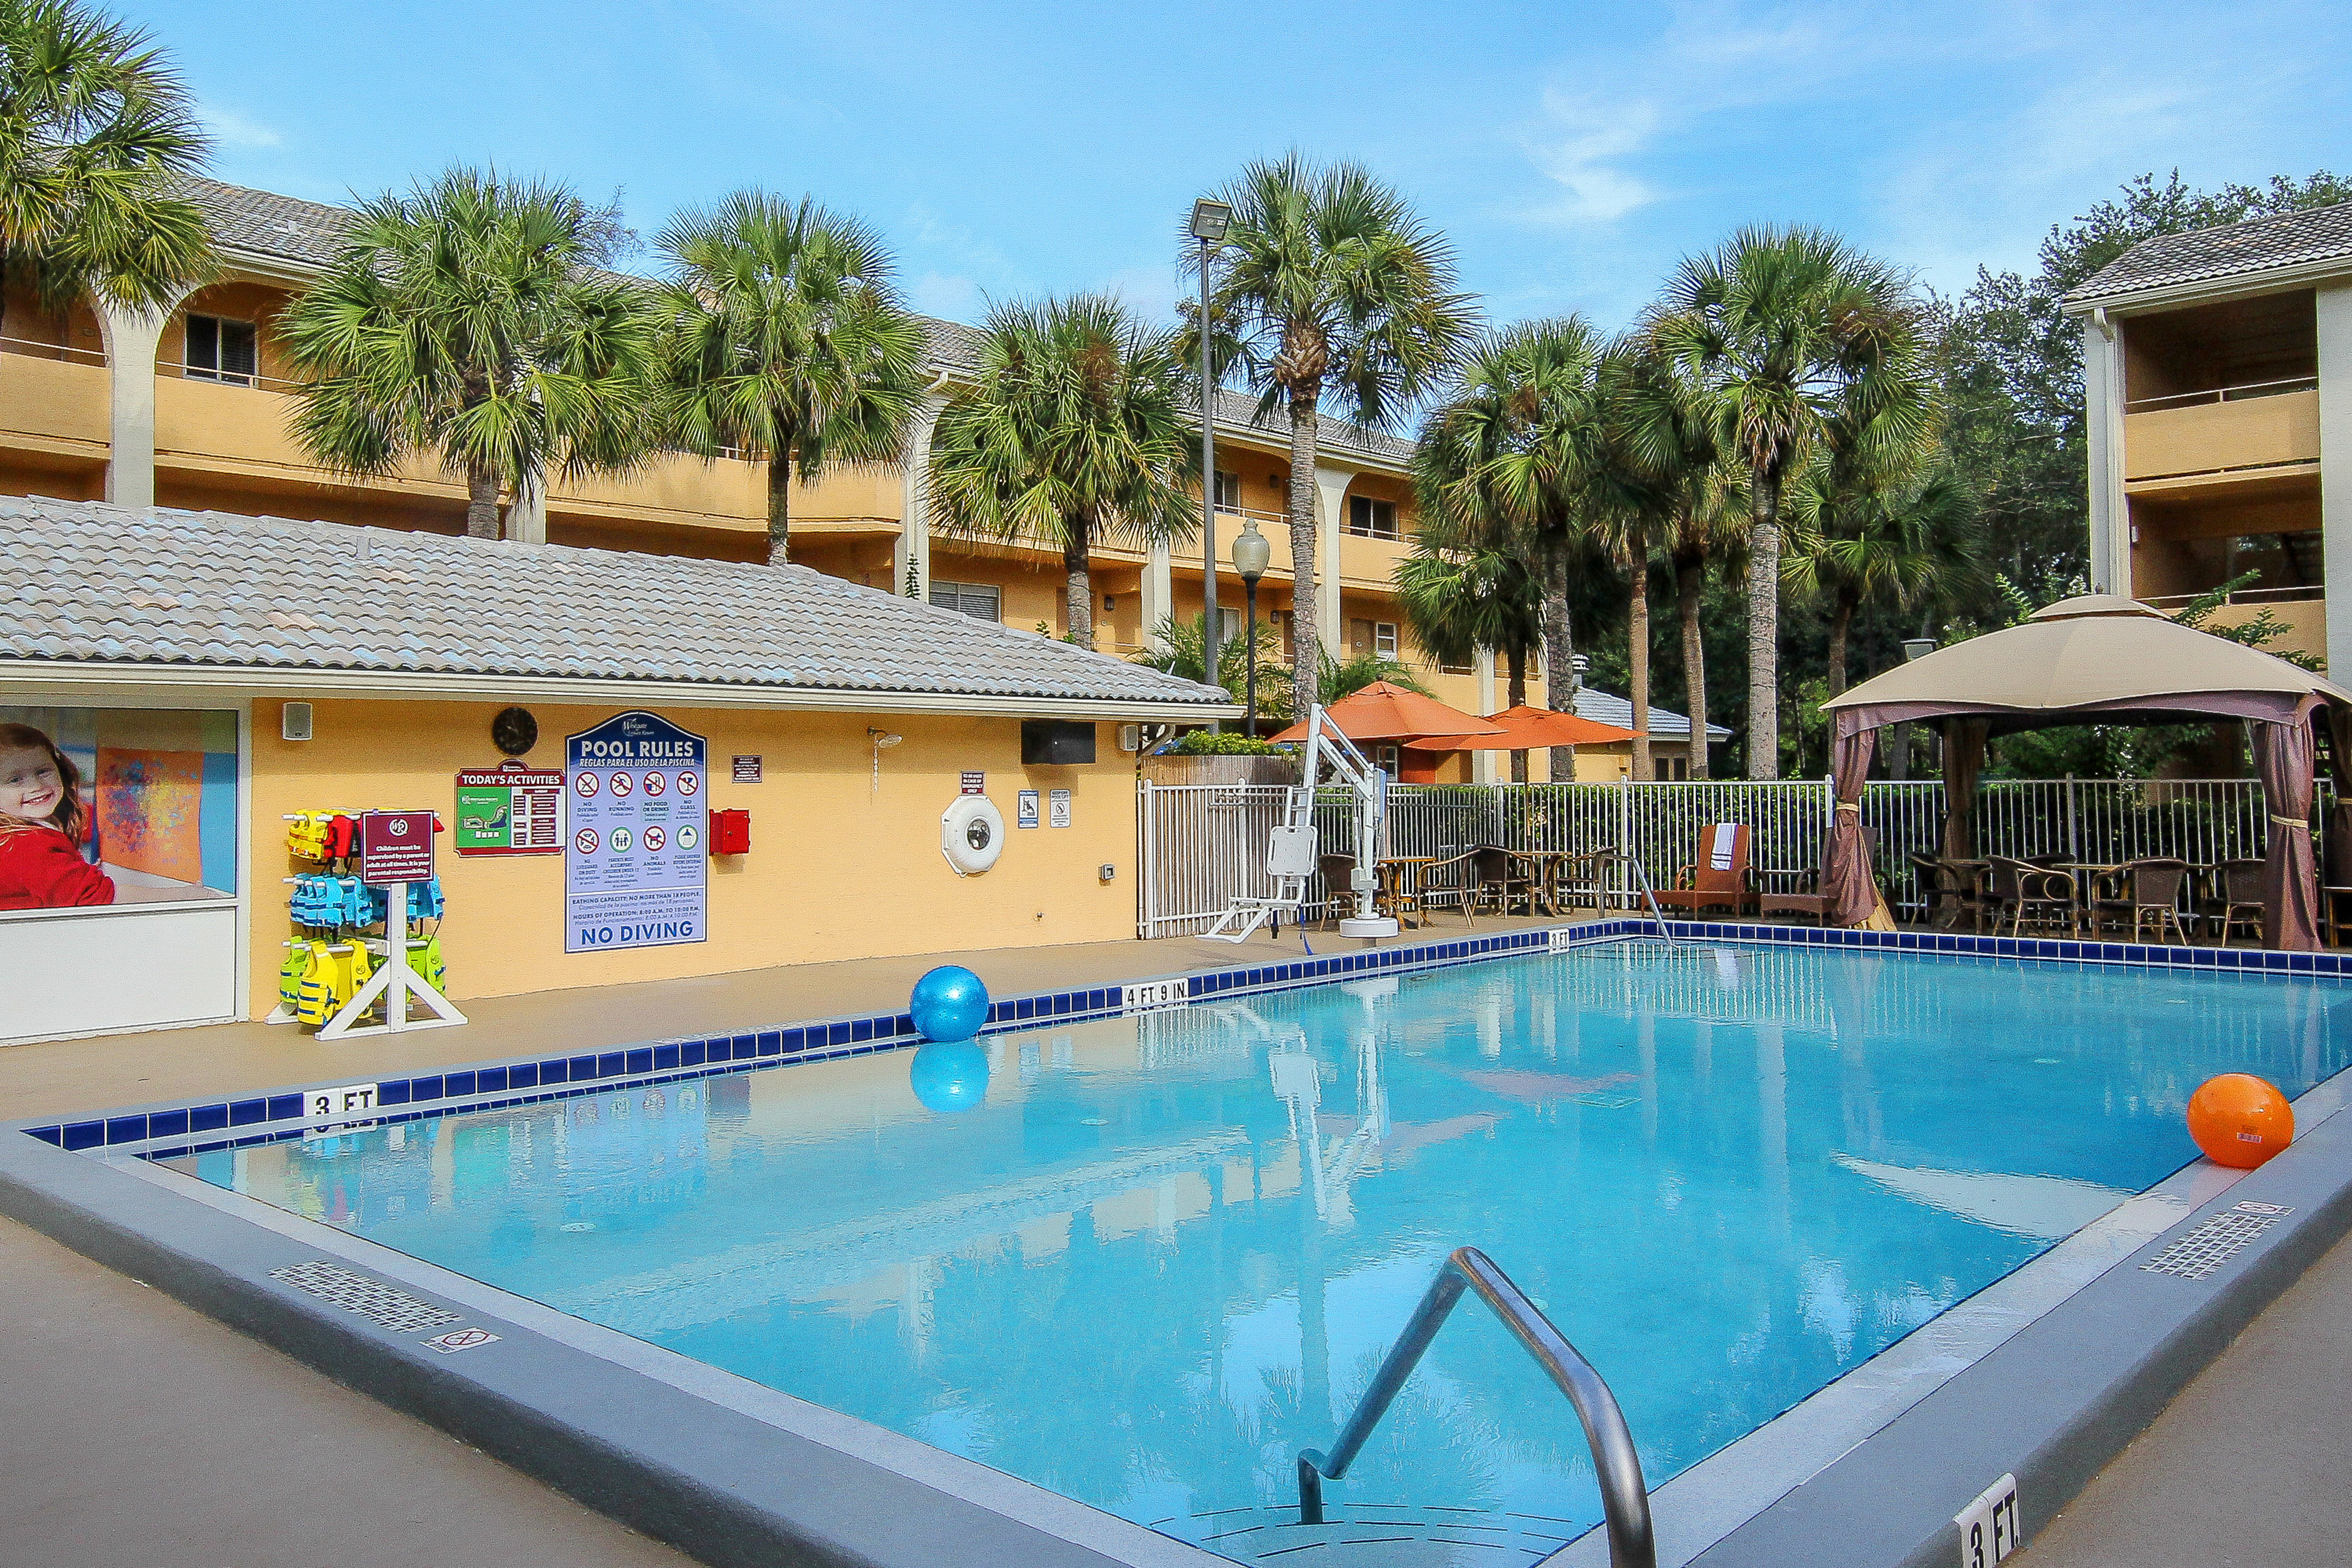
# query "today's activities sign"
(635, 871)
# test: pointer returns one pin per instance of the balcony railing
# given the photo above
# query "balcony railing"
(2224, 394)
(33, 349)
(2293, 594)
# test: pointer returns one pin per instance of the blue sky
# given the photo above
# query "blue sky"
(1573, 151)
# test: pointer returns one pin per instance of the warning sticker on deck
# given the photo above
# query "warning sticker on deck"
(455, 1340)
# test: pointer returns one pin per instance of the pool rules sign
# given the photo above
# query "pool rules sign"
(634, 868)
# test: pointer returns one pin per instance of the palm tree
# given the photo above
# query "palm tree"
(1660, 466)
(1464, 601)
(1510, 454)
(1898, 543)
(1337, 678)
(1178, 648)
(788, 342)
(95, 130)
(1783, 328)
(1709, 529)
(1332, 287)
(471, 320)
(1076, 431)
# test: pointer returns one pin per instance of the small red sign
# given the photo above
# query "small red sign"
(396, 846)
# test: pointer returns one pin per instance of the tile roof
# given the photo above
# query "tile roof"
(306, 234)
(1608, 707)
(84, 581)
(2232, 251)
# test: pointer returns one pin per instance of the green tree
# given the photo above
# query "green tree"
(95, 128)
(472, 321)
(1333, 289)
(1463, 601)
(1178, 648)
(788, 342)
(1508, 455)
(1898, 543)
(1337, 678)
(1075, 432)
(1784, 328)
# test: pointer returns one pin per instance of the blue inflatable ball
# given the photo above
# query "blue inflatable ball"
(949, 1077)
(948, 1003)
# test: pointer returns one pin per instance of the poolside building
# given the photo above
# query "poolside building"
(212, 674)
(191, 410)
(2218, 379)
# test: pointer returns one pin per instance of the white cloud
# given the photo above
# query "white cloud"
(1583, 141)
(230, 129)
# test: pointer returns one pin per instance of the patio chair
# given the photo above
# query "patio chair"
(1719, 879)
(2238, 884)
(1950, 892)
(1340, 900)
(1454, 879)
(2150, 900)
(1813, 901)
(2021, 891)
(1498, 875)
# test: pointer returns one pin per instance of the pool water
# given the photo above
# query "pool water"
(1144, 1261)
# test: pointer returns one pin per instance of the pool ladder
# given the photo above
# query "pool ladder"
(1624, 1498)
(1642, 874)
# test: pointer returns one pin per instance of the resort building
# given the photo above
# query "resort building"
(192, 412)
(212, 677)
(2218, 379)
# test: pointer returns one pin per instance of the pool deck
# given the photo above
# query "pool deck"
(117, 1389)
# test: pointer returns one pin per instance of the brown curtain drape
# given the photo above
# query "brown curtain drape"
(1845, 869)
(2283, 756)
(1964, 754)
(2339, 818)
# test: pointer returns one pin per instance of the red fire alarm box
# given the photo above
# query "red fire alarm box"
(730, 833)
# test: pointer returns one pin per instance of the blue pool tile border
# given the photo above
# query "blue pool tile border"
(158, 1133)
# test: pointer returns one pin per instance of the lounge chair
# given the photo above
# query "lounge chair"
(1719, 879)
(1813, 901)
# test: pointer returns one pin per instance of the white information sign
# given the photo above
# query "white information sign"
(1058, 809)
(1025, 816)
(636, 871)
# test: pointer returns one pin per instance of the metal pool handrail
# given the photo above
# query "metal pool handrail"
(1625, 1496)
(1643, 873)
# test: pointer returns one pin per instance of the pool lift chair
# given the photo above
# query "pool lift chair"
(1291, 851)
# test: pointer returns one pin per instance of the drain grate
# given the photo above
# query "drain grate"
(371, 1299)
(2216, 1241)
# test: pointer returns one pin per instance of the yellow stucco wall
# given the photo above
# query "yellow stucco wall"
(837, 870)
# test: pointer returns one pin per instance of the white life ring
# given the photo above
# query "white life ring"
(971, 835)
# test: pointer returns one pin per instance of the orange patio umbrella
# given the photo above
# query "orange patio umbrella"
(1386, 711)
(1534, 729)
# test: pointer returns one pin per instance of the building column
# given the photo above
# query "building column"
(910, 556)
(1330, 519)
(2336, 470)
(1482, 763)
(527, 513)
(1157, 591)
(2103, 409)
(131, 338)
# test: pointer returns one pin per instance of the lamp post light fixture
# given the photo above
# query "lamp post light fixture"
(1898, 755)
(1251, 552)
(1210, 221)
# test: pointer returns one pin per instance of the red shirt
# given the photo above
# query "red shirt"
(40, 869)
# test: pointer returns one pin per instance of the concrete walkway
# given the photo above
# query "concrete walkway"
(2246, 1469)
(140, 1432)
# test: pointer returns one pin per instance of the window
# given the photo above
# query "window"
(1229, 626)
(1229, 491)
(221, 350)
(1445, 669)
(1374, 637)
(981, 601)
(1371, 519)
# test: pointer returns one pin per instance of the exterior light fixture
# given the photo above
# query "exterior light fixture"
(882, 740)
(1918, 647)
(1209, 220)
(1251, 553)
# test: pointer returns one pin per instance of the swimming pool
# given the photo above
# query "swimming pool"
(1144, 1260)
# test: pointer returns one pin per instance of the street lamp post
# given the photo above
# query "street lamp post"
(1210, 221)
(1898, 755)
(1251, 552)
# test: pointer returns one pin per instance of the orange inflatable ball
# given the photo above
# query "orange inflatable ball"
(2239, 1120)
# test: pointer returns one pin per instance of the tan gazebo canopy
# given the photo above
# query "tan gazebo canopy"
(2098, 659)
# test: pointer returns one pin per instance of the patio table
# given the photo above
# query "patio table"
(1399, 893)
